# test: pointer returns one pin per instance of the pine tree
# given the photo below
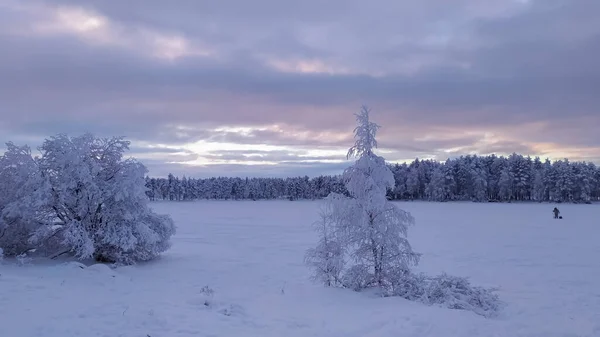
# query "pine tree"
(436, 189)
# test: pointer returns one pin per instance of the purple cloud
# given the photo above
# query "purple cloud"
(467, 76)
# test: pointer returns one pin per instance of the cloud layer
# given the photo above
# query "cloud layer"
(269, 87)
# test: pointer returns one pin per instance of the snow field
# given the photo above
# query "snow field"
(251, 255)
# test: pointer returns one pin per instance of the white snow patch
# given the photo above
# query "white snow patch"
(74, 265)
(251, 255)
(100, 269)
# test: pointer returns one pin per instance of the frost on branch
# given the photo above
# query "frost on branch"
(82, 196)
(363, 238)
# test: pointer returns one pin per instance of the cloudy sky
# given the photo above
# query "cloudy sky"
(269, 87)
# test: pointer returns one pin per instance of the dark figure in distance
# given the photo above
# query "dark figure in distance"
(556, 212)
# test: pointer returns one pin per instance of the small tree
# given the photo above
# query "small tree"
(366, 227)
(363, 238)
(327, 258)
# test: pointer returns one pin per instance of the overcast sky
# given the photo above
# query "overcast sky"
(269, 87)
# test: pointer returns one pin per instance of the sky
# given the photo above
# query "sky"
(269, 87)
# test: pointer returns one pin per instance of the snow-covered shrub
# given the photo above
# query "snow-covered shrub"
(363, 238)
(406, 284)
(447, 291)
(81, 196)
(99, 199)
(1, 254)
(455, 292)
(207, 295)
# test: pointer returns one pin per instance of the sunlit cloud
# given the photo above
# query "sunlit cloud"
(78, 20)
(97, 29)
(308, 67)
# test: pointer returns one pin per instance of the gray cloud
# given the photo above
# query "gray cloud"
(485, 67)
(162, 155)
(281, 170)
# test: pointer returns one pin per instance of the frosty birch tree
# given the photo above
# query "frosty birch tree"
(379, 230)
(363, 238)
(327, 258)
(371, 230)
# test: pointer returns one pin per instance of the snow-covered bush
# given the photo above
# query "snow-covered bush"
(455, 292)
(83, 197)
(363, 238)
(447, 291)
(406, 284)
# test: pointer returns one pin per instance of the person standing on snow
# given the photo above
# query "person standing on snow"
(556, 212)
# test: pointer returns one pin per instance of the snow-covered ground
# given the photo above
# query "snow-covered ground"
(251, 255)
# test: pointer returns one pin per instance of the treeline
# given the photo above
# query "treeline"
(467, 178)
(225, 188)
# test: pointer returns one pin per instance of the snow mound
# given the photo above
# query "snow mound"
(74, 265)
(101, 269)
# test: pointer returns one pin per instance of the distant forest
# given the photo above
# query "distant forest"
(467, 178)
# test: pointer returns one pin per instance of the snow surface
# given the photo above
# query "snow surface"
(251, 255)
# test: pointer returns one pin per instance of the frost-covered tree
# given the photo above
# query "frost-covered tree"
(100, 200)
(20, 185)
(412, 183)
(371, 230)
(436, 189)
(363, 237)
(378, 229)
(327, 258)
(505, 184)
(479, 180)
(538, 186)
(90, 201)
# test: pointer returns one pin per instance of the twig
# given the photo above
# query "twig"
(59, 254)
